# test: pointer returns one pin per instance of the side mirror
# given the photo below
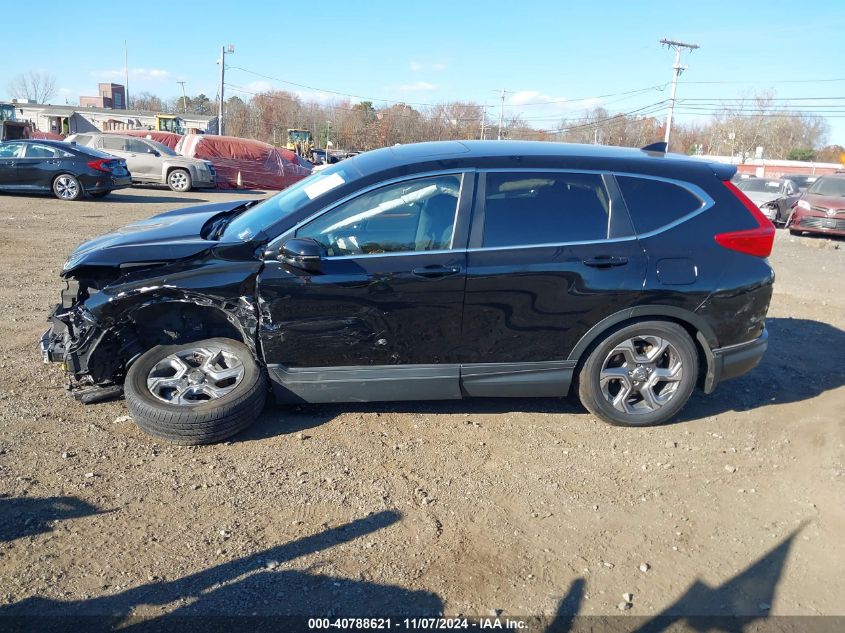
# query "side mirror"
(153, 152)
(303, 253)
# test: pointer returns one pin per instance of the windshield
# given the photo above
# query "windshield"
(828, 187)
(769, 186)
(247, 225)
(161, 147)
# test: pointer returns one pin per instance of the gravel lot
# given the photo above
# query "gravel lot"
(493, 506)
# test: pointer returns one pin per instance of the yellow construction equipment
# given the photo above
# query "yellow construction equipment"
(300, 141)
(170, 123)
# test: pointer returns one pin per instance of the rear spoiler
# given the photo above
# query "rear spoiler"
(723, 171)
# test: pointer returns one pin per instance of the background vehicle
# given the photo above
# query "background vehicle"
(68, 171)
(802, 181)
(300, 141)
(170, 123)
(822, 208)
(774, 196)
(152, 162)
(428, 271)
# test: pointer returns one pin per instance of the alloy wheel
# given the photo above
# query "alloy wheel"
(641, 374)
(67, 187)
(195, 375)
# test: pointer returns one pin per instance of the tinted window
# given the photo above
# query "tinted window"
(113, 142)
(414, 215)
(655, 203)
(42, 151)
(544, 208)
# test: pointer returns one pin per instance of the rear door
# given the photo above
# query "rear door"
(551, 254)
(40, 164)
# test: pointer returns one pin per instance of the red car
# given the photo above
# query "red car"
(822, 208)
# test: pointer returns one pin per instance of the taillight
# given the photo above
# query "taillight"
(757, 242)
(101, 164)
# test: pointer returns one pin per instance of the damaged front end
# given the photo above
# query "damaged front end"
(73, 336)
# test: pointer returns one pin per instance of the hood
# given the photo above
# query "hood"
(828, 202)
(762, 197)
(165, 237)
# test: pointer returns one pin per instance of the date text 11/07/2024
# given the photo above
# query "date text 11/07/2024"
(430, 624)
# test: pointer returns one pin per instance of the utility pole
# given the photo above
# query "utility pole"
(501, 114)
(483, 117)
(223, 51)
(677, 70)
(184, 97)
(126, 70)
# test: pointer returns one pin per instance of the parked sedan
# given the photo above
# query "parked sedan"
(774, 196)
(822, 208)
(68, 171)
(152, 162)
(802, 181)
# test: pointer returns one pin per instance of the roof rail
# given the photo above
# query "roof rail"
(655, 148)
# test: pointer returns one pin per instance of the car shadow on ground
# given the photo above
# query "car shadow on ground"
(738, 604)
(124, 197)
(24, 516)
(226, 595)
(255, 592)
(799, 364)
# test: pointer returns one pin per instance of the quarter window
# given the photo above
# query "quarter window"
(414, 215)
(530, 208)
(655, 203)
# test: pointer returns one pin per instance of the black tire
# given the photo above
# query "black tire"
(179, 180)
(67, 187)
(206, 422)
(100, 194)
(638, 411)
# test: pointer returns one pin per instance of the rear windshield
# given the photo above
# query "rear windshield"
(828, 187)
(772, 186)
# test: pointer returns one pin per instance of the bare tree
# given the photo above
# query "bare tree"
(36, 86)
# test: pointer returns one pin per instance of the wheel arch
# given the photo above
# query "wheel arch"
(700, 331)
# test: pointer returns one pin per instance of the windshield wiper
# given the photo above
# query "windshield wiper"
(218, 226)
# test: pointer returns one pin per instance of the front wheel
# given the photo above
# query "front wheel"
(639, 375)
(67, 187)
(179, 180)
(196, 393)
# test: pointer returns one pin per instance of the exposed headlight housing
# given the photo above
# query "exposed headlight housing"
(804, 205)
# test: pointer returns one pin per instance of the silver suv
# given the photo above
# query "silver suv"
(152, 162)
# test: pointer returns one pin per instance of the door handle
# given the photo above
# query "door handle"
(435, 272)
(605, 261)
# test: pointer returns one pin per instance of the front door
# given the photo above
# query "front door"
(9, 158)
(550, 256)
(382, 317)
(145, 160)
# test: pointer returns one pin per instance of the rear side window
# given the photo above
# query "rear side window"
(530, 208)
(113, 142)
(655, 203)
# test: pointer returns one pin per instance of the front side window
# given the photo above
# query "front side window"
(531, 208)
(10, 150)
(138, 146)
(410, 216)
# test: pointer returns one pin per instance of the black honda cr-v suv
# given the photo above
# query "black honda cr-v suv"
(427, 271)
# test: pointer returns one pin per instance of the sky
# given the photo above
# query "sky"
(554, 58)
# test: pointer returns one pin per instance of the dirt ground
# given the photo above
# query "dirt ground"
(510, 507)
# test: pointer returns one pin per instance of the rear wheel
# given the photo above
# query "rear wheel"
(196, 393)
(179, 180)
(640, 375)
(67, 187)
